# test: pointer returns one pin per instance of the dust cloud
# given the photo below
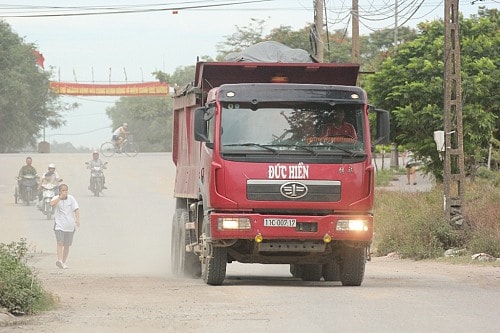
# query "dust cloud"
(126, 231)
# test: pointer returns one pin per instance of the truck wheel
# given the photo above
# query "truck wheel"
(331, 270)
(214, 261)
(352, 268)
(312, 272)
(175, 245)
(214, 269)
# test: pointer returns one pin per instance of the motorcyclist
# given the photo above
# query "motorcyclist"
(49, 177)
(25, 170)
(97, 162)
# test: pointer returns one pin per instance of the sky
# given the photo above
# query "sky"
(128, 47)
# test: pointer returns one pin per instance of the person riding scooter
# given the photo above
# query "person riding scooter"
(50, 177)
(97, 162)
(27, 170)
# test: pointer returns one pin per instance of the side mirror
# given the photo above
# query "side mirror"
(201, 116)
(200, 125)
(383, 127)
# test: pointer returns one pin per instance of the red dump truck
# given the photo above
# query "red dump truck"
(265, 173)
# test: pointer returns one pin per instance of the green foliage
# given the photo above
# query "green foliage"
(295, 39)
(20, 290)
(243, 37)
(410, 84)
(181, 76)
(337, 44)
(384, 177)
(26, 103)
(377, 46)
(149, 120)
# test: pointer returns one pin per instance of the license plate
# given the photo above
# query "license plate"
(291, 223)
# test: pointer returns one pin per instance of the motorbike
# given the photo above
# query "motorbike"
(96, 178)
(26, 189)
(48, 192)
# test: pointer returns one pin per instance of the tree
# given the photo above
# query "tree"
(242, 38)
(410, 83)
(181, 76)
(26, 102)
(295, 39)
(378, 45)
(149, 120)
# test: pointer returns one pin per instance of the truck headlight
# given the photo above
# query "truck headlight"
(233, 223)
(352, 225)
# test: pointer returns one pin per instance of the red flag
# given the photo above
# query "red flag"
(39, 58)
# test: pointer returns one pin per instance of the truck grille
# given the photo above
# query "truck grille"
(291, 190)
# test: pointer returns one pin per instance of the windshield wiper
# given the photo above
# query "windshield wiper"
(352, 153)
(312, 151)
(252, 144)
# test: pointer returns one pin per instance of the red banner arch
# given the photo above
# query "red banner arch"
(128, 89)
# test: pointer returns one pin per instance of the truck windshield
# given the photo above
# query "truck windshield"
(317, 128)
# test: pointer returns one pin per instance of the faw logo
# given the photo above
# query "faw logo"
(293, 190)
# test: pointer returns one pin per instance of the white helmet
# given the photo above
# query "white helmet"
(125, 125)
(52, 166)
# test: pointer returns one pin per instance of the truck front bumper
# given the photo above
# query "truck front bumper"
(261, 227)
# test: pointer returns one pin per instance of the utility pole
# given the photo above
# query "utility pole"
(355, 32)
(454, 174)
(318, 22)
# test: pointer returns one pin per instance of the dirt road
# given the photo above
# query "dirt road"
(119, 280)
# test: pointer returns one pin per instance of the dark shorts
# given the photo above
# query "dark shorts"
(64, 237)
(114, 138)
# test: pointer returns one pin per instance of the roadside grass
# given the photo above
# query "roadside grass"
(20, 290)
(414, 226)
(383, 177)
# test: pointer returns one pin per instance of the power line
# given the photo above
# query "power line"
(81, 133)
(86, 11)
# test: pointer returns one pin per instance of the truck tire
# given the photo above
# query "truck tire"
(214, 269)
(352, 268)
(331, 270)
(214, 259)
(312, 272)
